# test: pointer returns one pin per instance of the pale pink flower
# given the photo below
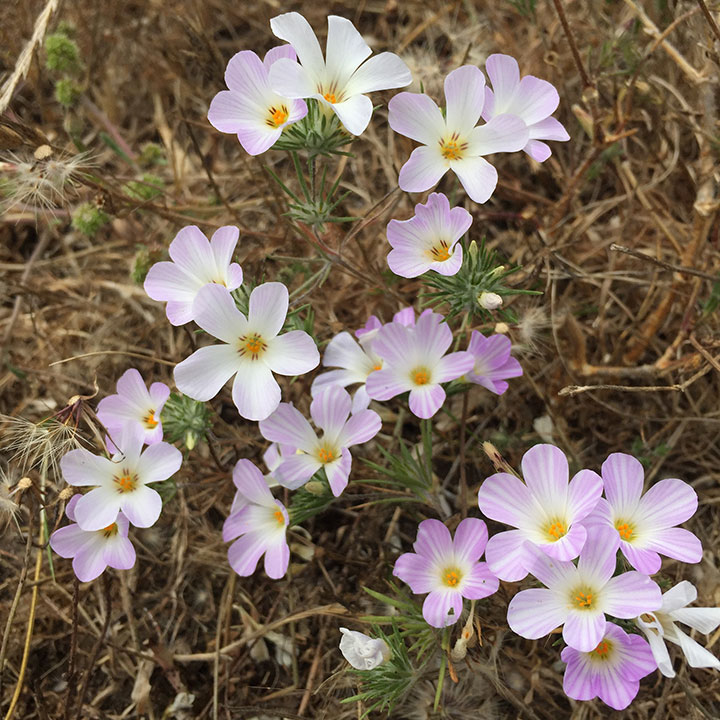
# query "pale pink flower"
(134, 404)
(329, 409)
(250, 109)
(493, 362)
(531, 99)
(252, 350)
(429, 239)
(94, 550)
(259, 522)
(449, 570)
(195, 263)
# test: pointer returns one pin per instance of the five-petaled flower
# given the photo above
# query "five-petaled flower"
(611, 671)
(415, 360)
(578, 597)
(429, 239)
(134, 404)
(546, 510)
(645, 523)
(250, 108)
(195, 263)
(340, 80)
(122, 482)
(493, 362)
(252, 350)
(449, 570)
(259, 522)
(530, 98)
(329, 410)
(362, 651)
(454, 141)
(93, 550)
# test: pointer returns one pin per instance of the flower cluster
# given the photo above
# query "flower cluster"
(121, 493)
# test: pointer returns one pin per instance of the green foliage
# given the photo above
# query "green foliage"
(526, 8)
(67, 92)
(143, 261)
(711, 304)
(406, 468)
(384, 687)
(152, 154)
(318, 133)
(311, 499)
(62, 54)
(87, 218)
(185, 420)
(147, 188)
(479, 275)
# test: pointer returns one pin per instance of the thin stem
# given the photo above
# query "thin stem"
(70, 697)
(709, 18)
(571, 42)
(463, 474)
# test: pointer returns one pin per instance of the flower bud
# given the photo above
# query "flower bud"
(363, 652)
(489, 300)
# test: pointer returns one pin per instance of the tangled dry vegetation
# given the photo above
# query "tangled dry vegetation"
(621, 351)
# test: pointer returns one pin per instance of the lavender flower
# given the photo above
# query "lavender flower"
(415, 360)
(449, 570)
(250, 108)
(611, 671)
(195, 263)
(339, 80)
(493, 362)
(429, 239)
(578, 597)
(546, 510)
(259, 523)
(645, 525)
(134, 404)
(531, 99)
(329, 410)
(93, 550)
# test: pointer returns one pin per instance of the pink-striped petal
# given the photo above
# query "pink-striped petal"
(386, 384)
(433, 541)
(296, 470)
(442, 608)
(360, 428)
(255, 391)
(504, 75)
(268, 309)
(277, 558)
(381, 72)
(338, 472)
(535, 99)
(599, 556)
(215, 312)
(536, 612)
(667, 503)
(568, 546)
(453, 366)
(417, 572)
(545, 470)
(287, 425)
(477, 176)
(631, 594)
(471, 538)
(293, 353)
(504, 133)
(119, 553)
(330, 409)
(507, 556)
(280, 51)
(90, 562)
(583, 494)
(251, 483)
(648, 562)
(142, 506)
(68, 541)
(244, 553)
(81, 468)
(676, 543)
(505, 498)
(423, 170)
(426, 400)
(623, 478)
(98, 508)
(480, 582)
(584, 629)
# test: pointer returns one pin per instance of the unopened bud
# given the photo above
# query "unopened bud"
(190, 439)
(499, 270)
(314, 487)
(489, 300)
(502, 328)
(473, 250)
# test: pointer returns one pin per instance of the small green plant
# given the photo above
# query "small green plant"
(88, 218)
(62, 54)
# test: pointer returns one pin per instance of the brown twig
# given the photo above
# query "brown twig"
(662, 263)
(709, 18)
(571, 42)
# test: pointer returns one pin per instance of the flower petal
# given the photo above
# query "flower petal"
(417, 117)
(338, 472)
(623, 478)
(494, 499)
(705, 620)
(504, 133)
(268, 309)
(244, 553)
(119, 553)
(381, 72)
(277, 559)
(166, 281)
(295, 29)
(535, 99)
(507, 555)
(330, 408)
(68, 541)
(631, 594)
(584, 629)
(477, 176)
(296, 470)
(453, 366)
(464, 96)
(81, 468)
(417, 572)
(480, 582)
(426, 400)
(255, 391)
(433, 541)
(203, 374)
(293, 353)
(423, 170)
(142, 506)
(97, 509)
(354, 113)
(504, 75)
(361, 427)
(667, 503)
(471, 537)
(215, 312)
(90, 563)
(442, 608)
(386, 384)
(345, 49)
(251, 483)
(583, 494)
(536, 612)
(676, 543)
(159, 462)
(599, 555)
(287, 425)
(290, 80)
(545, 470)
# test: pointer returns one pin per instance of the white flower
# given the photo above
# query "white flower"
(659, 626)
(363, 652)
(339, 80)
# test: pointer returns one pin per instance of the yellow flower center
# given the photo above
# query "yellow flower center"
(556, 530)
(625, 529)
(451, 577)
(439, 252)
(126, 482)
(602, 650)
(110, 530)
(279, 517)
(252, 345)
(377, 366)
(583, 599)
(277, 116)
(330, 97)
(150, 421)
(325, 455)
(420, 376)
(453, 148)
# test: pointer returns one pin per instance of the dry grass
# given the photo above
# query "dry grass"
(638, 337)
